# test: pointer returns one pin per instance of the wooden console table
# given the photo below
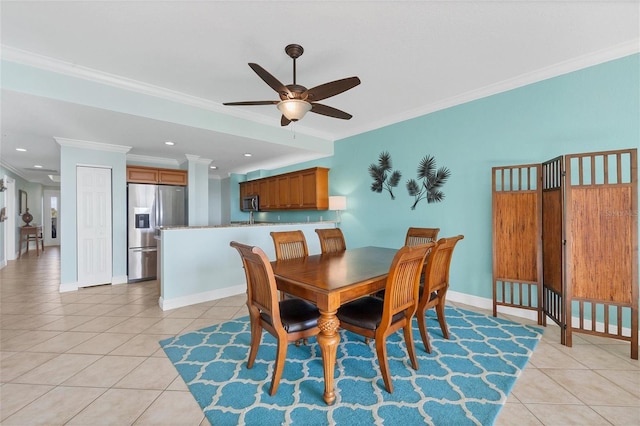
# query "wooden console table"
(31, 233)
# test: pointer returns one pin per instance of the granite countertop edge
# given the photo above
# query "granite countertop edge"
(243, 225)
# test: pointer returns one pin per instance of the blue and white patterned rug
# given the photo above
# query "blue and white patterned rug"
(463, 381)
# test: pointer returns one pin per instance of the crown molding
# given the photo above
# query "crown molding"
(565, 67)
(152, 160)
(98, 146)
(13, 170)
(69, 69)
(197, 159)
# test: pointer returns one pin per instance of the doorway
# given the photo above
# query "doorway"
(51, 207)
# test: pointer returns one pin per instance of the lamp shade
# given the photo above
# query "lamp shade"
(338, 202)
(294, 109)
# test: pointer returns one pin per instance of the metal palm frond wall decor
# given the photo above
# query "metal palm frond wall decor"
(383, 177)
(432, 181)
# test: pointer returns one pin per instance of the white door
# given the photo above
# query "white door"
(93, 226)
(51, 221)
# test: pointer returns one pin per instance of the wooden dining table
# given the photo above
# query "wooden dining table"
(329, 281)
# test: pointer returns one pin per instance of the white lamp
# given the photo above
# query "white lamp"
(294, 109)
(338, 203)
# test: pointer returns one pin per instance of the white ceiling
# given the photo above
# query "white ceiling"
(413, 57)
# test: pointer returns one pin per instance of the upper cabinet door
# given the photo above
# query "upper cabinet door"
(142, 174)
(172, 177)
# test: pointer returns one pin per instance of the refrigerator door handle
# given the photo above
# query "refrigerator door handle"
(158, 207)
(144, 250)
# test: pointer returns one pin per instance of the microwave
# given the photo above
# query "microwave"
(250, 203)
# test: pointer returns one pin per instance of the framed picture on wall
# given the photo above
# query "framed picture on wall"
(22, 202)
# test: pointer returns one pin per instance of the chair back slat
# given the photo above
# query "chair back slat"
(292, 250)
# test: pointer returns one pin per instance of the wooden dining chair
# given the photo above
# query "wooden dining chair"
(290, 244)
(377, 318)
(434, 290)
(288, 320)
(331, 240)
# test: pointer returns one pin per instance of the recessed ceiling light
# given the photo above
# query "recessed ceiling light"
(21, 149)
(37, 166)
(169, 143)
(247, 154)
(213, 167)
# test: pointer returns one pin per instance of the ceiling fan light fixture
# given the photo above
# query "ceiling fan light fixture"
(294, 109)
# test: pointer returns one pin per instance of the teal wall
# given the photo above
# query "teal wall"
(594, 109)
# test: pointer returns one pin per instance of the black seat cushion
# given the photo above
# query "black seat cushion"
(365, 313)
(296, 315)
(434, 294)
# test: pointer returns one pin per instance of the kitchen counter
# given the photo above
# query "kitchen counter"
(246, 223)
(196, 263)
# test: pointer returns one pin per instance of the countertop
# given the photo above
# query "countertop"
(241, 224)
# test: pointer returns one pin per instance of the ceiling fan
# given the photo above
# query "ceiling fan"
(296, 100)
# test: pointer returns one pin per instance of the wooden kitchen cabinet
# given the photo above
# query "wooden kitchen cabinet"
(248, 188)
(284, 197)
(272, 193)
(266, 196)
(301, 190)
(172, 177)
(314, 191)
(142, 174)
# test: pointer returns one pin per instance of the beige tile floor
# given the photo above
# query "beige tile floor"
(92, 357)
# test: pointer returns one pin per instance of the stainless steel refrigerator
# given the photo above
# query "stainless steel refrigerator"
(150, 207)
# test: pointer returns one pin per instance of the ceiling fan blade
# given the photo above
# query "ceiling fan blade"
(284, 121)
(333, 88)
(252, 103)
(330, 111)
(273, 82)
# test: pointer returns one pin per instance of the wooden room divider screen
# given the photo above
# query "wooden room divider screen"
(565, 242)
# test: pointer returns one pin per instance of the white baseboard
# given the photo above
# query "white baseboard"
(122, 279)
(486, 303)
(68, 287)
(179, 302)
